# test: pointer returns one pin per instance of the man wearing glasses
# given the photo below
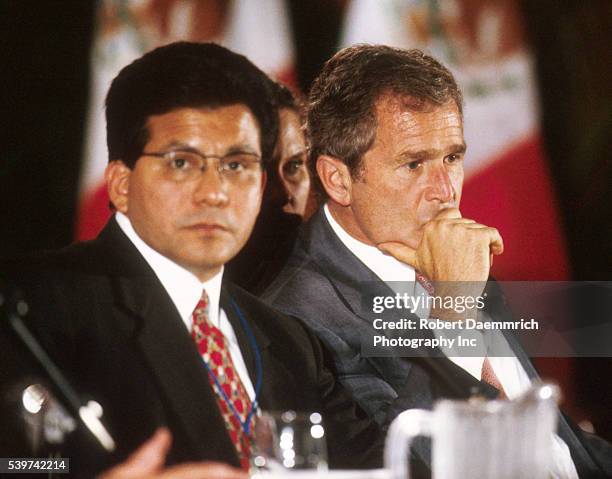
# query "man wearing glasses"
(141, 320)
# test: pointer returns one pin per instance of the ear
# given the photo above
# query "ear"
(117, 177)
(262, 188)
(336, 179)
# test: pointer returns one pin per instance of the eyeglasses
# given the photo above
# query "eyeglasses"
(183, 165)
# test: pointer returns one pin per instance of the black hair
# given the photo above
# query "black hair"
(185, 75)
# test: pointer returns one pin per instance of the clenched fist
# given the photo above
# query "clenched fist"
(452, 249)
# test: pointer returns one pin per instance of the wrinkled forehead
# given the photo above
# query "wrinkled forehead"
(400, 125)
(403, 103)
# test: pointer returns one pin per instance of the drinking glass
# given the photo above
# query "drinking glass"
(289, 441)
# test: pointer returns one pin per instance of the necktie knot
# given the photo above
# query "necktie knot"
(201, 322)
(203, 302)
(424, 282)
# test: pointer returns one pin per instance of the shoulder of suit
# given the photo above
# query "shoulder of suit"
(77, 257)
(80, 269)
(110, 254)
(251, 303)
(266, 316)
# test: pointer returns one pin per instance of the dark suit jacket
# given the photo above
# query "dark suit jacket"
(266, 251)
(323, 284)
(105, 319)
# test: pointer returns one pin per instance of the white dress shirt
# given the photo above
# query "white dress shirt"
(185, 290)
(508, 370)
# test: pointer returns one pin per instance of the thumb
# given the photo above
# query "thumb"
(148, 458)
(448, 213)
(401, 252)
(151, 455)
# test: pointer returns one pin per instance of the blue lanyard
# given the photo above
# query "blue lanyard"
(246, 424)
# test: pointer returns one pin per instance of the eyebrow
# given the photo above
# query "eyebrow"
(457, 148)
(234, 149)
(180, 146)
(298, 154)
(242, 149)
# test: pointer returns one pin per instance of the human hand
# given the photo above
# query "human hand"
(147, 462)
(455, 253)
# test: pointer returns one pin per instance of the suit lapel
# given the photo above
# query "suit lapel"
(233, 312)
(346, 272)
(167, 349)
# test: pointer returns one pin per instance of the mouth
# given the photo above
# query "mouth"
(208, 228)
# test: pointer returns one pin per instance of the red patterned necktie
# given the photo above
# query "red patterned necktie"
(424, 282)
(488, 376)
(232, 397)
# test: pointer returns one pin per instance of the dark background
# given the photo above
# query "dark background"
(45, 49)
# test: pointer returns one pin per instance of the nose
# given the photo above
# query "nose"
(439, 187)
(211, 188)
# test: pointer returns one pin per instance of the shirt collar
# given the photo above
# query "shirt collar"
(183, 287)
(386, 267)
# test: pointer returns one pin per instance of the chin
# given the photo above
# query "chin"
(412, 242)
(216, 259)
(209, 257)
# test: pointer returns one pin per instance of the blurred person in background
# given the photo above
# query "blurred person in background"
(288, 178)
(286, 202)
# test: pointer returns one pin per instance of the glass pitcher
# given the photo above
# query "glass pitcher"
(480, 439)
